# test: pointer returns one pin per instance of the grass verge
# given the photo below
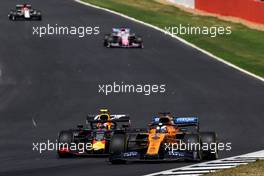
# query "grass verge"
(244, 47)
(252, 169)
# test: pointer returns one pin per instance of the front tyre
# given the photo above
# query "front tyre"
(139, 41)
(117, 147)
(13, 18)
(141, 46)
(65, 139)
(210, 139)
(107, 44)
(107, 40)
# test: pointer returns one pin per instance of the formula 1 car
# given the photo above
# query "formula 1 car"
(168, 138)
(24, 12)
(92, 140)
(122, 37)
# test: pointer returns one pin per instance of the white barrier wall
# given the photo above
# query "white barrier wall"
(186, 3)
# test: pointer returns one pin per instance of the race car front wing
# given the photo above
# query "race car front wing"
(169, 155)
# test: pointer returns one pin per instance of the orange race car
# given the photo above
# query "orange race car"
(168, 138)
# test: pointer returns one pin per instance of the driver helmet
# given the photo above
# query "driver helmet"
(104, 114)
(161, 129)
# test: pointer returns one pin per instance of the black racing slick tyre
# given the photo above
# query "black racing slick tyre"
(141, 45)
(13, 18)
(139, 40)
(193, 144)
(210, 140)
(65, 139)
(107, 40)
(117, 147)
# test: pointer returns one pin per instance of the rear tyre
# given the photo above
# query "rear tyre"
(117, 147)
(209, 139)
(65, 137)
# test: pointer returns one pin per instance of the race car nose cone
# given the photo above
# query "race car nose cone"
(98, 145)
(26, 13)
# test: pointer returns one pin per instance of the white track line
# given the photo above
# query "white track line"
(206, 168)
(176, 37)
(191, 172)
(212, 166)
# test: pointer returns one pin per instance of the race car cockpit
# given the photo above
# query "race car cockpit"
(104, 120)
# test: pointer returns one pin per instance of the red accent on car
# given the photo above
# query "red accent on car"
(64, 150)
(103, 141)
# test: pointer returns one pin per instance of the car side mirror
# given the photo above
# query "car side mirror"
(183, 129)
(125, 126)
(80, 126)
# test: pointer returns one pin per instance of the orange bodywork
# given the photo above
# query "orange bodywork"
(154, 143)
(156, 138)
(98, 145)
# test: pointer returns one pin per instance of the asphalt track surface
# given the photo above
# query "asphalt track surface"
(54, 80)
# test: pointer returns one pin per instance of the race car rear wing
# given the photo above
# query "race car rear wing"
(186, 122)
(20, 6)
(180, 122)
(115, 119)
(104, 121)
(119, 29)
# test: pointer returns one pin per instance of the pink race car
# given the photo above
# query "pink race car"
(122, 37)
